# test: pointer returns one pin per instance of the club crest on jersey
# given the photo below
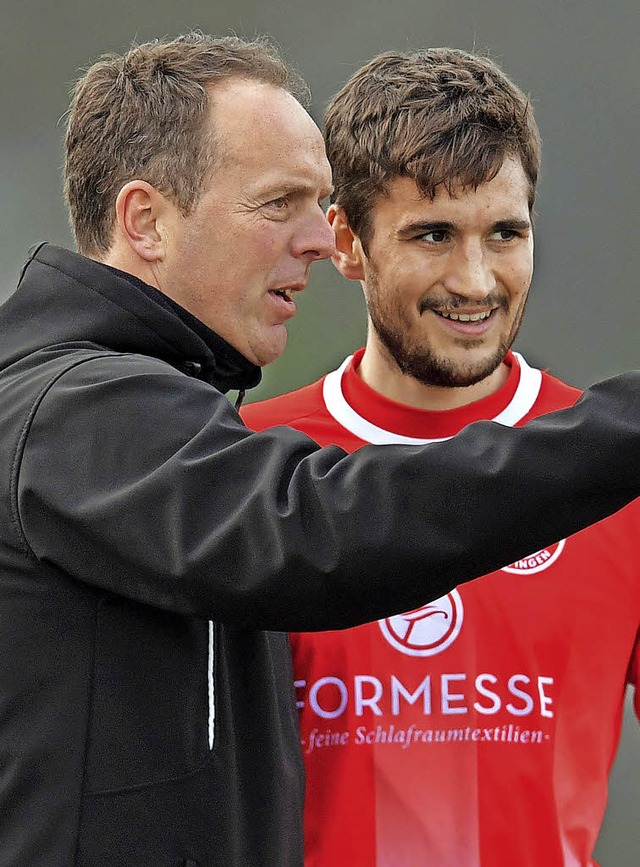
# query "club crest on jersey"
(536, 562)
(427, 630)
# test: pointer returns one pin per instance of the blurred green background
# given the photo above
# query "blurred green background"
(577, 58)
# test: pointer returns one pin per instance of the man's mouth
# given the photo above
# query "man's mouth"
(287, 294)
(287, 291)
(283, 300)
(465, 317)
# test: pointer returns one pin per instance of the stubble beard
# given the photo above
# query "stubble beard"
(418, 360)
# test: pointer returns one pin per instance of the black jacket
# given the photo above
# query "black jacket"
(150, 545)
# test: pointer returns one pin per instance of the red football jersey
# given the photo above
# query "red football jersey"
(479, 729)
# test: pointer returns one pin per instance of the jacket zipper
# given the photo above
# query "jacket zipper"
(212, 700)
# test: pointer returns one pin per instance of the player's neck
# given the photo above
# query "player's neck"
(383, 376)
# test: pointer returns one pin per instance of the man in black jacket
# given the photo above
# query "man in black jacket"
(152, 550)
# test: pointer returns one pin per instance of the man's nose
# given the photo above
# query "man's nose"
(315, 239)
(470, 273)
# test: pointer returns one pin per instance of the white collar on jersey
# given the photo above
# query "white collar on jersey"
(519, 405)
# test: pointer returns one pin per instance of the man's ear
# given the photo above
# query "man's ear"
(349, 256)
(138, 207)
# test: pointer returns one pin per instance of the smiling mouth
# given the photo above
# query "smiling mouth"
(465, 317)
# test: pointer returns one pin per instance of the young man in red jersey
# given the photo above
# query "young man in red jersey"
(479, 729)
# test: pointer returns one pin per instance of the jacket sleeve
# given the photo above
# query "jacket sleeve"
(139, 480)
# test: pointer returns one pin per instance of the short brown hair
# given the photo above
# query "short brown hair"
(142, 115)
(441, 116)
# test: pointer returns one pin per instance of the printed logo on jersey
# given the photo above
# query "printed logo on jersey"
(536, 562)
(427, 630)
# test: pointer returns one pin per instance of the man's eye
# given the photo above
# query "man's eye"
(436, 236)
(505, 235)
(279, 204)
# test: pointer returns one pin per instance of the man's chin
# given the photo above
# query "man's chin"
(270, 349)
(448, 373)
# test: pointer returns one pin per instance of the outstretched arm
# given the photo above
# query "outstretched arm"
(170, 500)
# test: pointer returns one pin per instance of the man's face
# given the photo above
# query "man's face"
(237, 260)
(446, 280)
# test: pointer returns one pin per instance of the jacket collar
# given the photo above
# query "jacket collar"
(64, 297)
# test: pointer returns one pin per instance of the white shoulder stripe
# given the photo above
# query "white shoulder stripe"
(521, 403)
(526, 394)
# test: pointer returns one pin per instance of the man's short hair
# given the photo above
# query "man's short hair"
(442, 116)
(143, 115)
